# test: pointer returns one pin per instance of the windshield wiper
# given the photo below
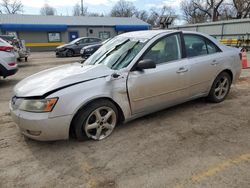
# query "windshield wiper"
(126, 54)
(106, 54)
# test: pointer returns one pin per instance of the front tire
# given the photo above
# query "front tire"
(97, 120)
(220, 88)
(70, 53)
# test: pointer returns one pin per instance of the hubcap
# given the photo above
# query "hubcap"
(100, 123)
(221, 88)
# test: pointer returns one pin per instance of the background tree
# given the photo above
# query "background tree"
(191, 13)
(48, 10)
(242, 8)
(77, 11)
(123, 9)
(142, 15)
(95, 14)
(11, 6)
(210, 8)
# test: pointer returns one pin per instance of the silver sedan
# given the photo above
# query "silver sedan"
(132, 75)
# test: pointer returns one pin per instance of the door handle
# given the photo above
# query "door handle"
(214, 62)
(181, 70)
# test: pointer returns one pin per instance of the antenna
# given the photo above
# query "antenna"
(165, 21)
(82, 7)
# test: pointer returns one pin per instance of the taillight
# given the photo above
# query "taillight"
(12, 64)
(240, 54)
(6, 48)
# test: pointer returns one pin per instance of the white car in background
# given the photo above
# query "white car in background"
(8, 65)
(132, 75)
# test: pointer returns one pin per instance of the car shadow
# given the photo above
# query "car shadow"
(79, 157)
(166, 112)
(8, 82)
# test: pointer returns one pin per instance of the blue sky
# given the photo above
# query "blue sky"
(101, 6)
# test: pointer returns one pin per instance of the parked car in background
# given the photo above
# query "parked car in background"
(132, 75)
(19, 47)
(8, 65)
(90, 49)
(74, 47)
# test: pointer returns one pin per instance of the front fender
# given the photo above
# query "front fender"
(72, 98)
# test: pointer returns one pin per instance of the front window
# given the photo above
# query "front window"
(117, 53)
(198, 46)
(165, 50)
(74, 41)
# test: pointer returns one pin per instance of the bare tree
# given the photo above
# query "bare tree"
(242, 8)
(227, 11)
(191, 13)
(11, 6)
(48, 10)
(210, 8)
(77, 10)
(123, 9)
(142, 15)
(95, 14)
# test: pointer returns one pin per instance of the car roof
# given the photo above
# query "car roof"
(88, 38)
(148, 34)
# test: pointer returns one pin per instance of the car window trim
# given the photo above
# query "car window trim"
(205, 39)
(155, 42)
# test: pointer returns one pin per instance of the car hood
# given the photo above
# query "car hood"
(63, 46)
(49, 80)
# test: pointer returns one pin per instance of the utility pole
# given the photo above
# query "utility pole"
(82, 7)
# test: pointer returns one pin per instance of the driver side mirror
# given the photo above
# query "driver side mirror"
(77, 43)
(145, 64)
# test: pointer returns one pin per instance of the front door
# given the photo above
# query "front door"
(167, 84)
(73, 35)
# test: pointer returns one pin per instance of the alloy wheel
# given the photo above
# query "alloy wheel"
(100, 123)
(221, 88)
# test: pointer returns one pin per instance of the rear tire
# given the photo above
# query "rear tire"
(97, 120)
(220, 88)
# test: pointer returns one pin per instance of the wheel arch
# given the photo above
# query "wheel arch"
(121, 116)
(70, 49)
(229, 72)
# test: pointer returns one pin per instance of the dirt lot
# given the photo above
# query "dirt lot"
(196, 144)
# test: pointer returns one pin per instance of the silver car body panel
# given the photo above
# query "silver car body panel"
(136, 93)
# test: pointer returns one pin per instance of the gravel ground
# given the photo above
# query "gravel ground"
(196, 144)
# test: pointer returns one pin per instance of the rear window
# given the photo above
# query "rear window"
(94, 40)
(197, 45)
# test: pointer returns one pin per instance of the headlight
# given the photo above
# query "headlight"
(89, 49)
(82, 51)
(38, 105)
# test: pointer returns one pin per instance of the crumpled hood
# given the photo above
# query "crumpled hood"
(52, 79)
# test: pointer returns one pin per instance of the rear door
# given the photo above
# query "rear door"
(204, 58)
(167, 84)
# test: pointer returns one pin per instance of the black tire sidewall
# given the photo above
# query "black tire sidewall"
(82, 115)
(211, 95)
(70, 53)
